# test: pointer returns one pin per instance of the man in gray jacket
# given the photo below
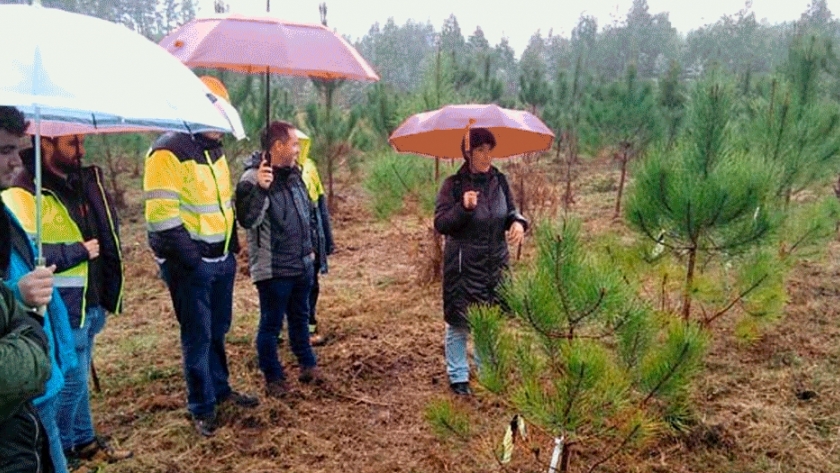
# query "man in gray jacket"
(273, 205)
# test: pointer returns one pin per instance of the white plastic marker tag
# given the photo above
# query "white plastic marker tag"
(507, 445)
(555, 456)
(520, 424)
(515, 427)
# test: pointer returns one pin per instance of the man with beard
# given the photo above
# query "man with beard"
(80, 237)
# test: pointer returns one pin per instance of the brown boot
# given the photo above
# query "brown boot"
(102, 451)
(311, 375)
(277, 389)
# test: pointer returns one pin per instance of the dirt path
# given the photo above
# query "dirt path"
(384, 360)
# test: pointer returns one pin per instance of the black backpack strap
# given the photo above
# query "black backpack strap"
(506, 189)
(457, 187)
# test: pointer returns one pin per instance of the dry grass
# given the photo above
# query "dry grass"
(385, 363)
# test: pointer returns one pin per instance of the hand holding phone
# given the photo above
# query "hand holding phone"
(265, 176)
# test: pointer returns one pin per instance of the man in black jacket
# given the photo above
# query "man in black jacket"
(272, 203)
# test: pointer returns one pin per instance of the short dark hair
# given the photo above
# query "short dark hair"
(478, 137)
(13, 121)
(279, 130)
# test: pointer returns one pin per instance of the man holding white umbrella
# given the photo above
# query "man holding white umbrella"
(106, 87)
(81, 238)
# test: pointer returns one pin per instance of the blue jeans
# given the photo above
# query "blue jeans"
(48, 414)
(455, 346)
(279, 296)
(75, 424)
(203, 301)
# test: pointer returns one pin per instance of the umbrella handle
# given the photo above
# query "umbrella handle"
(40, 262)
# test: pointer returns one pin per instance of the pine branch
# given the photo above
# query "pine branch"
(399, 177)
(564, 298)
(649, 234)
(800, 241)
(573, 394)
(664, 202)
(709, 320)
(616, 450)
(601, 293)
(669, 375)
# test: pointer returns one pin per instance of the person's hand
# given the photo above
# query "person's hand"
(36, 287)
(92, 247)
(264, 174)
(516, 233)
(470, 199)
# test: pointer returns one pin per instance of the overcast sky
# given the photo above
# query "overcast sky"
(515, 20)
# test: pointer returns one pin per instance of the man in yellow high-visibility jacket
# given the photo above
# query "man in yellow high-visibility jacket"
(191, 227)
(322, 238)
(81, 239)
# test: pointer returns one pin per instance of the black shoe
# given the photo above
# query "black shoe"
(205, 425)
(241, 400)
(461, 389)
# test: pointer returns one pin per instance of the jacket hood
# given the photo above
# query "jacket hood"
(253, 161)
(305, 145)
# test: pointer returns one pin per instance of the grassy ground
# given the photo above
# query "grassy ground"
(766, 407)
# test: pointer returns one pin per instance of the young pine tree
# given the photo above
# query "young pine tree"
(794, 125)
(583, 358)
(672, 103)
(625, 115)
(713, 204)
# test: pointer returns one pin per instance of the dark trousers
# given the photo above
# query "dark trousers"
(23, 444)
(313, 298)
(203, 300)
(279, 296)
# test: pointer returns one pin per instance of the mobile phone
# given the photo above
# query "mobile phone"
(267, 158)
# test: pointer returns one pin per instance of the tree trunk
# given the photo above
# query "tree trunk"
(624, 158)
(568, 199)
(566, 456)
(689, 281)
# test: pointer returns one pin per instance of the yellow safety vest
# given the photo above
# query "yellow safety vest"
(190, 187)
(57, 228)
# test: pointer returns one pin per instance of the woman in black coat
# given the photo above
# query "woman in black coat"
(474, 210)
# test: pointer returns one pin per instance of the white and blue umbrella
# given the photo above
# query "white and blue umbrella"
(71, 73)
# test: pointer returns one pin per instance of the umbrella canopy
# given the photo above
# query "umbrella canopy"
(53, 128)
(84, 72)
(439, 133)
(74, 69)
(257, 45)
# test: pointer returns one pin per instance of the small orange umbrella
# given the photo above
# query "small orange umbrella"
(439, 133)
